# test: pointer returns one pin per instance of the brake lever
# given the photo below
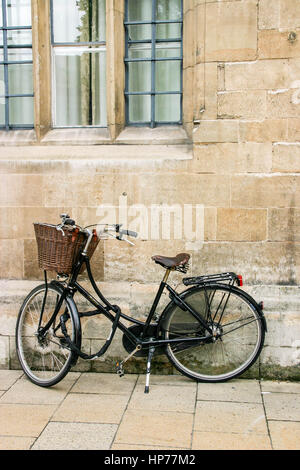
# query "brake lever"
(128, 241)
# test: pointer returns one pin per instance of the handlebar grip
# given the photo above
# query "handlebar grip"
(69, 222)
(129, 233)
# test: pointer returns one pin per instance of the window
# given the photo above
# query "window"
(78, 63)
(16, 81)
(98, 65)
(153, 61)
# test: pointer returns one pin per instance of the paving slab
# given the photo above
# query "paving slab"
(24, 391)
(238, 390)
(230, 441)
(24, 420)
(285, 435)
(16, 443)
(282, 406)
(175, 380)
(229, 417)
(155, 428)
(91, 408)
(164, 398)
(8, 378)
(280, 387)
(105, 383)
(76, 436)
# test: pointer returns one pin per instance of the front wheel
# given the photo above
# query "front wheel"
(45, 357)
(238, 333)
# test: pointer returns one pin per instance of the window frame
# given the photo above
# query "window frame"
(5, 28)
(117, 130)
(153, 59)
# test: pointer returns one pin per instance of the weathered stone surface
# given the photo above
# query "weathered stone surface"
(231, 158)
(258, 75)
(273, 191)
(242, 105)
(268, 130)
(242, 224)
(274, 44)
(216, 131)
(284, 224)
(286, 158)
(231, 29)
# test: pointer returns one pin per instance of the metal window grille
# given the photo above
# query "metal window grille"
(6, 64)
(154, 41)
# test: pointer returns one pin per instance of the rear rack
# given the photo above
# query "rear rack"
(231, 277)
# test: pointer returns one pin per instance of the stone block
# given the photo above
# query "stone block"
(206, 86)
(284, 224)
(269, 14)
(286, 157)
(258, 75)
(11, 262)
(216, 131)
(283, 103)
(273, 44)
(293, 130)
(14, 190)
(242, 104)
(269, 130)
(273, 191)
(231, 31)
(241, 224)
(230, 158)
(289, 14)
(259, 262)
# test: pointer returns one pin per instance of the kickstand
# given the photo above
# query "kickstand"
(150, 356)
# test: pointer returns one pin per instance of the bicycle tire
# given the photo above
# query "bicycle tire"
(241, 333)
(46, 362)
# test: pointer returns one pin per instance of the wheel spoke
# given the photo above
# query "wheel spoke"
(237, 334)
(43, 359)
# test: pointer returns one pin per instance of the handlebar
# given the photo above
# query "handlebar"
(66, 220)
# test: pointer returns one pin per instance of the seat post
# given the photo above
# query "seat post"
(166, 276)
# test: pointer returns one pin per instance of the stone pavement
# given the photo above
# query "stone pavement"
(103, 411)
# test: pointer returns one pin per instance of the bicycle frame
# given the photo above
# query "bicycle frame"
(141, 343)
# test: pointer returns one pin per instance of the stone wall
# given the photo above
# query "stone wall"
(237, 155)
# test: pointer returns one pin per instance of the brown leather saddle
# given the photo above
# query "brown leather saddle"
(179, 260)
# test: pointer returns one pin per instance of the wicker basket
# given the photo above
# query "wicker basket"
(58, 252)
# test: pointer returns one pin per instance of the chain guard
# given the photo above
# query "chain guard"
(137, 331)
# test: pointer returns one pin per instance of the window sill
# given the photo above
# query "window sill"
(77, 136)
(164, 135)
(17, 137)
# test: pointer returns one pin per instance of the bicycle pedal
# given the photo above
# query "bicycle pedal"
(120, 370)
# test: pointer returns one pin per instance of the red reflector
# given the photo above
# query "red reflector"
(240, 278)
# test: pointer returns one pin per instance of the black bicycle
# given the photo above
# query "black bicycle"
(211, 332)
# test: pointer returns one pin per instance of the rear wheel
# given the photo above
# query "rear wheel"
(45, 358)
(238, 334)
